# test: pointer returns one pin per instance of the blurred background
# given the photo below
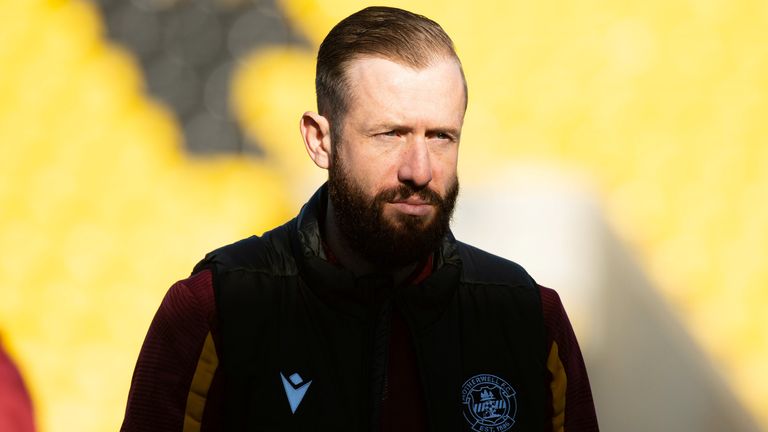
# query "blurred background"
(614, 148)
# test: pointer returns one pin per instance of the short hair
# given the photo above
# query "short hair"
(392, 33)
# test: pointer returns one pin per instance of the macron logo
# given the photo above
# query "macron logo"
(295, 389)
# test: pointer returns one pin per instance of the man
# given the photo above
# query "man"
(363, 312)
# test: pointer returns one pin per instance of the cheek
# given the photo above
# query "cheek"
(381, 173)
(444, 170)
(371, 175)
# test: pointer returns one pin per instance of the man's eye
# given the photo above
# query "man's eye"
(390, 133)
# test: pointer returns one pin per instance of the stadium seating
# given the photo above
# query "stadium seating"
(660, 103)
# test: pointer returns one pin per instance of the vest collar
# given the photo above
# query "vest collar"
(363, 296)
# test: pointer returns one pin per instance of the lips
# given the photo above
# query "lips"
(412, 200)
(413, 206)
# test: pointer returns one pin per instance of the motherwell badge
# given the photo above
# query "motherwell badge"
(489, 403)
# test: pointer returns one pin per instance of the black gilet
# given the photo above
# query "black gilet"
(293, 324)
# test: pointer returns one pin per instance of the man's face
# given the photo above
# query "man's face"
(392, 178)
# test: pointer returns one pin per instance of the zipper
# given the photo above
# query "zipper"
(380, 355)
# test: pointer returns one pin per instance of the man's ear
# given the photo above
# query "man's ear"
(316, 132)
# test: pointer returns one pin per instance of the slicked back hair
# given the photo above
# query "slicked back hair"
(394, 34)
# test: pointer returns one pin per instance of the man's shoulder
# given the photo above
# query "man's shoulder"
(269, 253)
(481, 267)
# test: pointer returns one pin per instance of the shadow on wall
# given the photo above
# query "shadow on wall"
(646, 372)
(650, 375)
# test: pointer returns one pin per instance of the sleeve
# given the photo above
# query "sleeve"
(15, 406)
(176, 383)
(570, 402)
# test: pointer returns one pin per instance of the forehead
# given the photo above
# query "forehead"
(384, 88)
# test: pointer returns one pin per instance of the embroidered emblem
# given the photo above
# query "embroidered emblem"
(295, 389)
(489, 403)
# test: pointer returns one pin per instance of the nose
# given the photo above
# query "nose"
(415, 166)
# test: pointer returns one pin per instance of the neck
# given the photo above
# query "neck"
(350, 259)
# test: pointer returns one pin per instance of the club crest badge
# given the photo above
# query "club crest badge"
(489, 403)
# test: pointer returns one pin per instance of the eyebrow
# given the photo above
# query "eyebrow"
(399, 127)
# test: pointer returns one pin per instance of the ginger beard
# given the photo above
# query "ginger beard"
(388, 241)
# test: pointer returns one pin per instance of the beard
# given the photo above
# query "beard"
(389, 242)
